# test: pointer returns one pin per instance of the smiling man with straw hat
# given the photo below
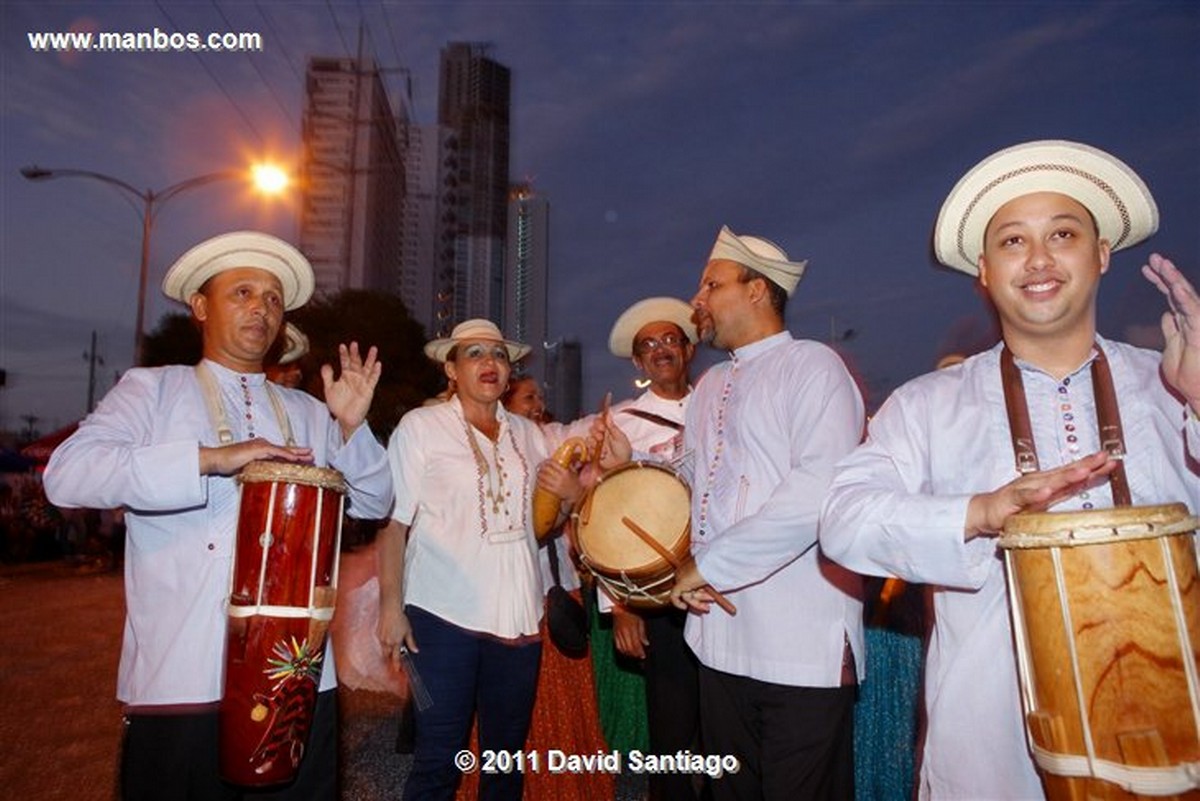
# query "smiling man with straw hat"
(948, 460)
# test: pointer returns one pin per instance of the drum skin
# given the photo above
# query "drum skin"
(655, 498)
(1130, 653)
(273, 657)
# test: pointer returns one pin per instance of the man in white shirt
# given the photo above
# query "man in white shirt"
(765, 430)
(659, 336)
(166, 444)
(924, 497)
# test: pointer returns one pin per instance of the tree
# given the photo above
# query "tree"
(175, 340)
(370, 318)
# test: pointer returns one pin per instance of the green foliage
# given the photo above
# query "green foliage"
(370, 318)
(175, 340)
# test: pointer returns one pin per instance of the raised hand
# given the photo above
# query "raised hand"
(1181, 328)
(349, 397)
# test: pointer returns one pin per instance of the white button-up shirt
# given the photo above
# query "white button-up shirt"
(898, 507)
(765, 430)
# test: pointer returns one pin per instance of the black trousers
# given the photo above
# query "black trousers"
(672, 700)
(793, 743)
(175, 758)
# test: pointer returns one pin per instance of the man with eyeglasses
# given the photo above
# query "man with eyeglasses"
(658, 334)
(765, 429)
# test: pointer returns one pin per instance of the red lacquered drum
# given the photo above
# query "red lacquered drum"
(280, 603)
(1106, 613)
(657, 500)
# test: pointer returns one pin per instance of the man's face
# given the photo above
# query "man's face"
(722, 304)
(240, 311)
(1041, 265)
(662, 351)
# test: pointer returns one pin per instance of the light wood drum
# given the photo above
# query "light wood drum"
(657, 500)
(1106, 614)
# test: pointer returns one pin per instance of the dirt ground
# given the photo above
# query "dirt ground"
(60, 637)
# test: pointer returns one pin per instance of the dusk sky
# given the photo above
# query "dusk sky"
(834, 129)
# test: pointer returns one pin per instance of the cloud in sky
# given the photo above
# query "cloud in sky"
(833, 129)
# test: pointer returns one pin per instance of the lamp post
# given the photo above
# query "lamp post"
(151, 203)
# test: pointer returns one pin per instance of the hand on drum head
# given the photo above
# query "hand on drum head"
(1033, 492)
(226, 460)
(394, 633)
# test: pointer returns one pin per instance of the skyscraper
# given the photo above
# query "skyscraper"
(527, 268)
(473, 103)
(353, 178)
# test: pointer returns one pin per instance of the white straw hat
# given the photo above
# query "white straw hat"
(439, 349)
(644, 312)
(761, 255)
(295, 344)
(242, 249)
(1121, 203)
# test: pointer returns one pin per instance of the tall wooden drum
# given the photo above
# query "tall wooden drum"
(1106, 614)
(280, 603)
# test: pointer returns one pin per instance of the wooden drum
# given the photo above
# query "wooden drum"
(280, 603)
(1106, 614)
(652, 497)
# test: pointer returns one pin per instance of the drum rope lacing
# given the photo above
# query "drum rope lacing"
(266, 538)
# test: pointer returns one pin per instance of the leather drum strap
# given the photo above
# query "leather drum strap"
(1112, 438)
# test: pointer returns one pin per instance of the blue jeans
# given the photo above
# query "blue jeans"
(466, 672)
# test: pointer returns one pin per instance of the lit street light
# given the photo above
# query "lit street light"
(268, 179)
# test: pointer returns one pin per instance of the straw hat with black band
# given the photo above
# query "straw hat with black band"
(242, 249)
(1118, 200)
(644, 312)
(439, 349)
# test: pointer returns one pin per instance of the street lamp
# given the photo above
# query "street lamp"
(269, 179)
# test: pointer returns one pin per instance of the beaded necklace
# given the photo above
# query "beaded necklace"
(726, 391)
(491, 486)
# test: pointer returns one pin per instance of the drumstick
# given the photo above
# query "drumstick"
(648, 538)
(603, 414)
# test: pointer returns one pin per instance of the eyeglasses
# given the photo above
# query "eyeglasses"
(651, 344)
(477, 351)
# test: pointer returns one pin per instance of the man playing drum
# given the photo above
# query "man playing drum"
(658, 334)
(924, 497)
(765, 430)
(166, 444)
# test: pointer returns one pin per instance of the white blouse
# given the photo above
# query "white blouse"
(471, 557)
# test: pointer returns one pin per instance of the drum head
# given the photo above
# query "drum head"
(1061, 529)
(288, 473)
(650, 495)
